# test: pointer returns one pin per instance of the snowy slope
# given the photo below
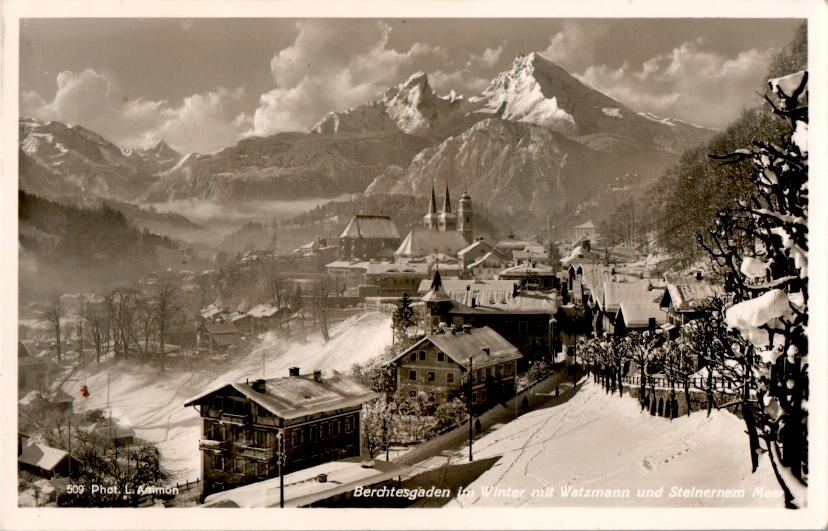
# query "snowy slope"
(153, 403)
(596, 441)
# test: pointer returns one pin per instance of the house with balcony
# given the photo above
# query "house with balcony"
(437, 366)
(313, 418)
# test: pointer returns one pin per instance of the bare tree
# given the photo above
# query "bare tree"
(640, 348)
(166, 308)
(54, 313)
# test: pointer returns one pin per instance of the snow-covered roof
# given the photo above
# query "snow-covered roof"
(460, 345)
(527, 269)
(423, 242)
(210, 311)
(420, 268)
(40, 455)
(615, 293)
(436, 291)
(348, 264)
(262, 311)
(638, 314)
(491, 257)
(297, 396)
(688, 295)
(303, 487)
(477, 244)
(369, 226)
(587, 225)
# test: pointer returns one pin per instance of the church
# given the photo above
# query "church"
(443, 233)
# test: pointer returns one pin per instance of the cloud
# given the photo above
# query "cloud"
(467, 80)
(574, 46)
(689, 82)
(202, 122)
(332, 67)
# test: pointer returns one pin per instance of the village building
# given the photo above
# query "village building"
(217, 336)
(440, 233)
(487, 266)
(317, 417)
(524, 318)
(608, 296)
(386, 280)
(436, 366)
(44, 461)
(264, 317)
(532, 276)
(632, 316)
(684, 298)
(585, 231)
(368, 236)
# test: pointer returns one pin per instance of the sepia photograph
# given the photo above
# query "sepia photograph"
(434, 262)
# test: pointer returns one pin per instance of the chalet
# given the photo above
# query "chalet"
(487, 267)
(317, 418)
(44, 461)
(524, 318)
(476, 250)
(217, 336)
(532, 276)
(684, 298)
(608, 296)
(638, 316)
(437, 365)
(211, 311)
(264, 317)
(368, 236)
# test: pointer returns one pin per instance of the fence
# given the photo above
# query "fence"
(661, 382)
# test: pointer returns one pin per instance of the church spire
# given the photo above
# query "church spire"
(430, 220)
(432, 207)
(447, 202)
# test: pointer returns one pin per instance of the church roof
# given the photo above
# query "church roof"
(423, 242)
(369, 226)
(432, 206)
(436, 293)
(447, 203)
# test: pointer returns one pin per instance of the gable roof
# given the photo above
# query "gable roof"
(297, 396)
(587, 225)
(526, 269)
(462, 345)
(262, 311)
(494, 256)
(369, 226)
(615, 293)
(423, 242)
(41, 456)
(688, 295)
(638, 314)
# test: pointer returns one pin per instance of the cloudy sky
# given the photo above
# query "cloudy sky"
(202, 84)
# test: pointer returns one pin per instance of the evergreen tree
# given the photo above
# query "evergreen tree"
(403, 319)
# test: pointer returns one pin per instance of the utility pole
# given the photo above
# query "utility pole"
(280, 445)
(471, 416)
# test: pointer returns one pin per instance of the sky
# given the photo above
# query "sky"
(203, 84)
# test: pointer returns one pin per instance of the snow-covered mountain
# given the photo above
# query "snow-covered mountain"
(59, 159)
(411, 107)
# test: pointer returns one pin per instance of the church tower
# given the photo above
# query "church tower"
(430, 219)
(465, 217)
(447, 220)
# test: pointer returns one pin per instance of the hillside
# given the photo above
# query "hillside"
(63, 247)
(286, 166)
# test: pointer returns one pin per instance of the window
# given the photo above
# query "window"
(450, 377)
(412, 356)
(440, 356)
(412, 375)
(488, 371)
(507, 369)
(324, 430)
(349, 423)
(239, 465)
(337, 427)
(218, 462)
(431, 376)
(422, 355)
(314, 433)
(261, 469)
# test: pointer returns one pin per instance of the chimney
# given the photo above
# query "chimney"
(467, 328)
(293, 371)
(259, 385)
(317, 376)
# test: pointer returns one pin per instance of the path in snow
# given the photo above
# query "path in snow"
(152, 402)
(592, 440)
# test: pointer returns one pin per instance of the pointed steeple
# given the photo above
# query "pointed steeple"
(437, 293)
(430, 220)
(432, 207)
(447, 202)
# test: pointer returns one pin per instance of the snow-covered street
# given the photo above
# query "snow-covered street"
(152, 403)
(598, 450)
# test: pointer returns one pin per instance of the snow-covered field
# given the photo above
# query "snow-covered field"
(152, 402)
(558, 456)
